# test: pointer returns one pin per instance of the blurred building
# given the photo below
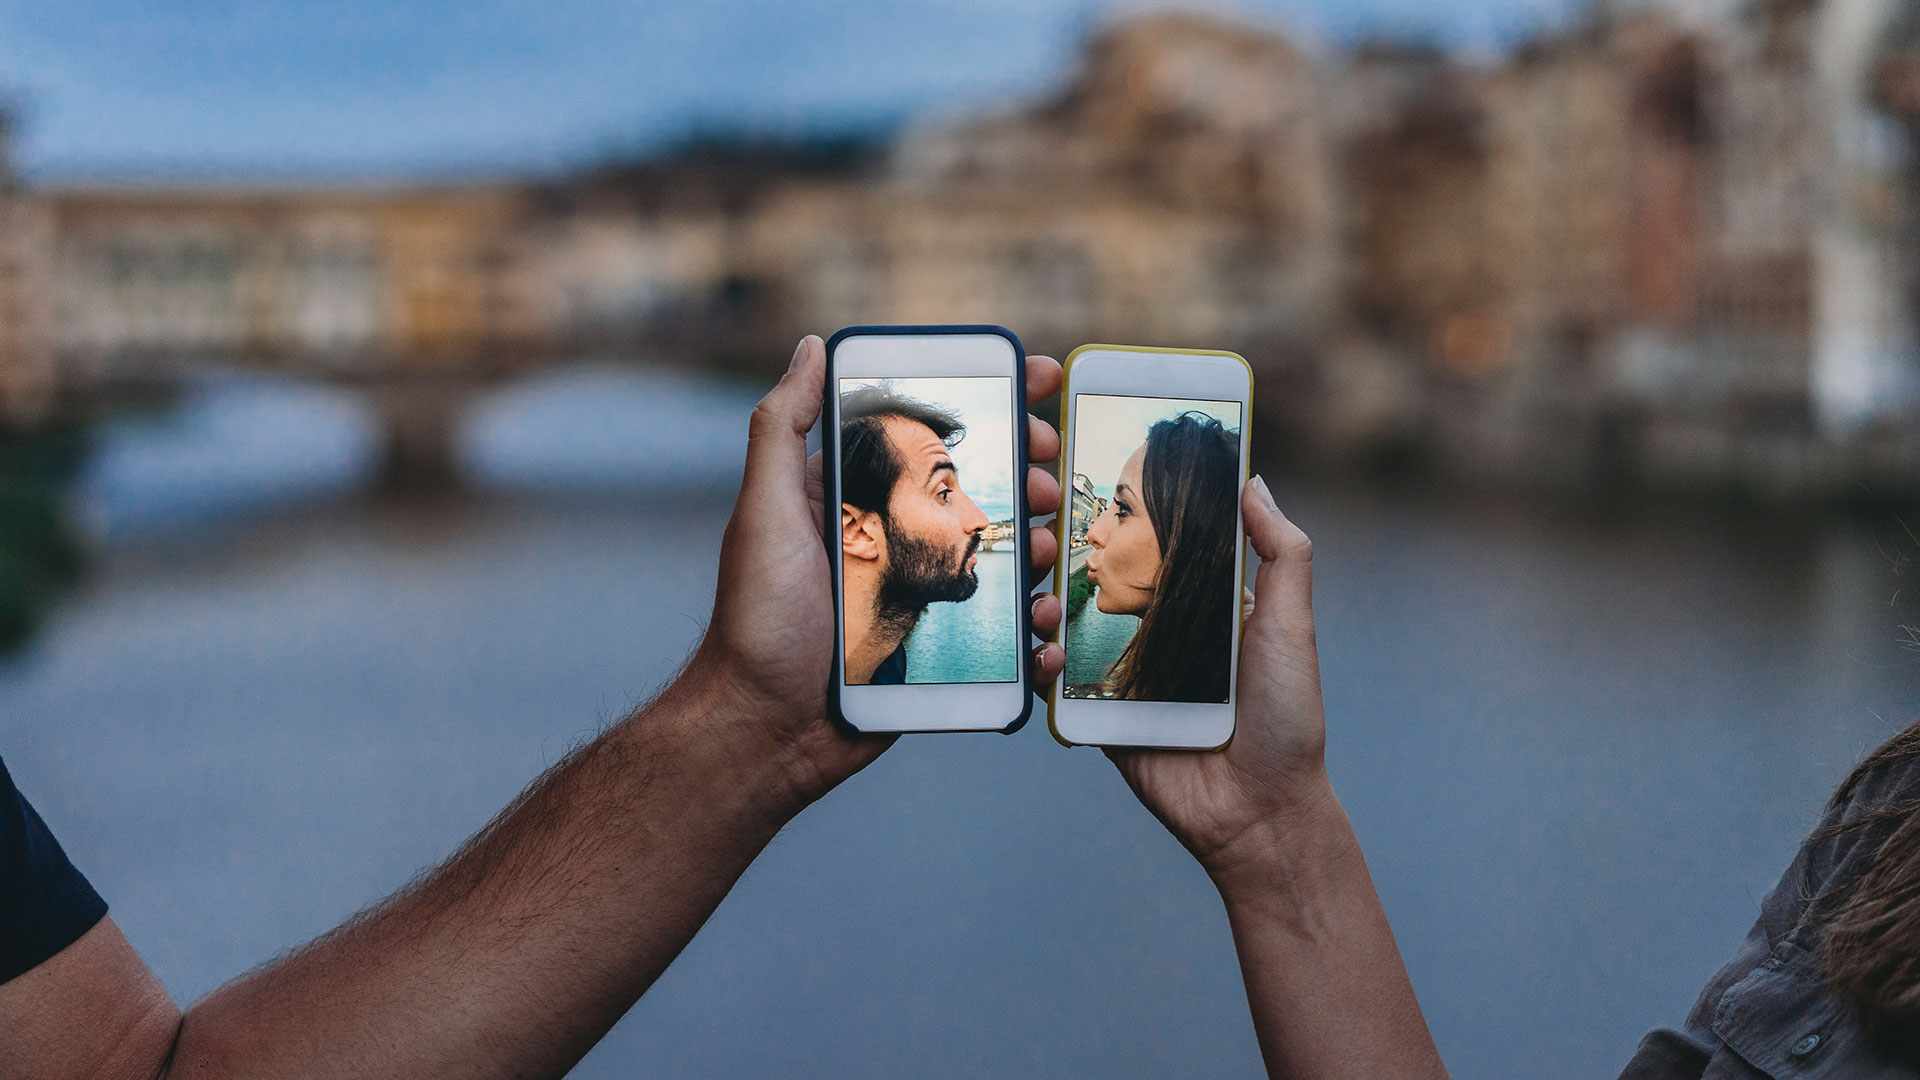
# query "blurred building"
(1407, 133)
(704, 253)
(1178, 189)
(1864, 333)
(1897, 90)
(1599, 161)
(1897, 79)
(26, 315)
(1410, 130)
(1805, 338)
(339, 281)
(1086, 506)
(1677, 247)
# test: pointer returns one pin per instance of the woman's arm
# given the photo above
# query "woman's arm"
(1329, 993)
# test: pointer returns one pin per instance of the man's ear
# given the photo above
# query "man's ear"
(861, 534)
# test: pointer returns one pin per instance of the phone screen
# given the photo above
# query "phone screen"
(930, 584)
(1152, 546)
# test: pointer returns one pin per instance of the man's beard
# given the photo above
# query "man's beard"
(920, 573)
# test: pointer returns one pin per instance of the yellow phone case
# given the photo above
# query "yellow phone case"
(1060, 519)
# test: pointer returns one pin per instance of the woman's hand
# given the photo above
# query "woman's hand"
(1229, 805)
(1329, 994)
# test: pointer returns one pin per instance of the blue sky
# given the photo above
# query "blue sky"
(398, 86)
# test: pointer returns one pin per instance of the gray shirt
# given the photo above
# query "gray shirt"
(1768, 1012)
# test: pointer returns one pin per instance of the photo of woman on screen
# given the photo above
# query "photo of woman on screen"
(1159, 548)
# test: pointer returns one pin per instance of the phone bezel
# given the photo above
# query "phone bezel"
(876, 352)
(1136, 371)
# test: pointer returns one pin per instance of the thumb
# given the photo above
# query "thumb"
(1283, 587)
(777, 432)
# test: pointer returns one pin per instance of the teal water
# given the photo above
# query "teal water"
(977, 640)
(1094, 640)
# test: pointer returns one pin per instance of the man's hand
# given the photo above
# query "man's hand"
(769, 648)
(1224, 806)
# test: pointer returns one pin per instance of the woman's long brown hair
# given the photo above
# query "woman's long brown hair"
(1183, 650)
(1871, 925)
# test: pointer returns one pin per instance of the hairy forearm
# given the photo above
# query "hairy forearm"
(1329, 993)
(524, 948)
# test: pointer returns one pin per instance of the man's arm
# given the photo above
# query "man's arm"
(519, 953)
(1329, 993)
(511, 959)
(515, 956)
(92, 1010)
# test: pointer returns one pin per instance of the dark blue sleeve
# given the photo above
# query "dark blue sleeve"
(45, 905)
(1669, 1055)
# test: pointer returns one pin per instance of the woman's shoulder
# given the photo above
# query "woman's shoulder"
(1881, 792)
(1877, 795)
(1770, 1010)
(1886, 782)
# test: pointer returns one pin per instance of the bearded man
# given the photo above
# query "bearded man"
(909, 536)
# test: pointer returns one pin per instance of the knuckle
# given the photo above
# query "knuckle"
(1296, 545)
(765, 418)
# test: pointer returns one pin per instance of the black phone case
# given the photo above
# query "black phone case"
(829, 459)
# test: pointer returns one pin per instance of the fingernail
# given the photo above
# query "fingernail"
(1260, 487)
(799, 353)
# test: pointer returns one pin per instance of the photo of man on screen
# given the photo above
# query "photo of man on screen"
(911, 536)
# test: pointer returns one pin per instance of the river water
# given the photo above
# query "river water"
(1098, 640)
(1577, 755)
(969, 641)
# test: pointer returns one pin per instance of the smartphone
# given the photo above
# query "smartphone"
(925, 455)
(1152, 547)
